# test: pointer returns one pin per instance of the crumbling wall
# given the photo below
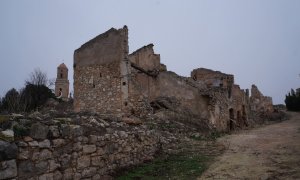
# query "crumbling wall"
(171, 85)
(240, 105)
(212, 78)
(62, 149)
(146, 58)
(259, 102)
(108, 80)
(101, 73)
(217, 107)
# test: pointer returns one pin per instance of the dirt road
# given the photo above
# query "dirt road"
(268, 152)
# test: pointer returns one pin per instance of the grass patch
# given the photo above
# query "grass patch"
(172, 167)
(4, 118)
(211, 137)
(215, 135)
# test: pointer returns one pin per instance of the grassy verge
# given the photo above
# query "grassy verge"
(179, 166)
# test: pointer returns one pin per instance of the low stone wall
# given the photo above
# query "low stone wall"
(60, 149)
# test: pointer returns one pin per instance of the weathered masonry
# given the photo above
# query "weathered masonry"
(101, 72)
(107, 79)
(62, 82)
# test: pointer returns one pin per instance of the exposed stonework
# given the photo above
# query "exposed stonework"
(76, 147)
(260, 102)
(109, 80)
(62, 82)
(101, 69)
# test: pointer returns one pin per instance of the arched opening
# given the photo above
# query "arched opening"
(244, 116)
(231, 119)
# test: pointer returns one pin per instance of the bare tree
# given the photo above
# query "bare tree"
(51, 83)
(37, 77)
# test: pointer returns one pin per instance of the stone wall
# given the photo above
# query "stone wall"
(109, 80)
(259, 102)
(218, 106)
(212, 78)
(98, 88)
(101, 68)
(171, 85)
(76, 148)
(240, 105)
(146, 58)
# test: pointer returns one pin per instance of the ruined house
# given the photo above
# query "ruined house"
(107, 79)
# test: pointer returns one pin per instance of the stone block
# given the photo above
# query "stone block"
(39, 131)
(33, 144)
(58, 142)
(41, 167)
(23, 155)
(7, 135)
(27, 139)
(57, 175)
(8, 151)
(53, 165)
(45, 154)
(44, 144)
(89, 172)
(77, 176)
(77, 146)
(46, 176)
(22, 144)
(83, 162)
(54, 131)
(98, 161)
(8, 169)
(76, 130)
(87, 149)
(65, 161)
(68, 174)
(25, 169)
(93, 139)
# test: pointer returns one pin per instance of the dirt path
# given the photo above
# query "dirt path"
(269, 152)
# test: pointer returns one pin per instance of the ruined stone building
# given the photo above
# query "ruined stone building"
(62, 82)
(107, 79)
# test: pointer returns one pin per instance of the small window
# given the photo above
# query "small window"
(125, 103)
(94, 85)
(61, 75)
(100, 75)
(124, 83)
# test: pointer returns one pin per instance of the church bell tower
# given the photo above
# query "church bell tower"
(62, 83)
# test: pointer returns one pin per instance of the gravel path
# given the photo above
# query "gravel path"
(268, 152)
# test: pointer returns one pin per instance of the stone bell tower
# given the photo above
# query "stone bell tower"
(62, 82)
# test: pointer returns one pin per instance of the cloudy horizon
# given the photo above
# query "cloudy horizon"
(256, 41)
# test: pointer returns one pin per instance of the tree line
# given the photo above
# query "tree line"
(292, 100)
(34, 94)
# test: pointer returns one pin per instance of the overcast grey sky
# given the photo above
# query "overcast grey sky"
(256, 40)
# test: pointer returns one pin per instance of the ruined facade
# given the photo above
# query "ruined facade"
(62, 82)
(101, 69)
(107, 79)
(259, 102)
